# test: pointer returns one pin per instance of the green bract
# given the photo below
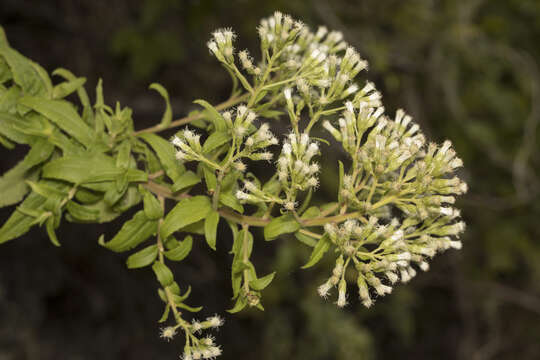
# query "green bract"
(392, 212)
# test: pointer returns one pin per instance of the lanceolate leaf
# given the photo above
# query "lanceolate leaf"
(19, 222)
(64, 89)
(261, 283)
(152, 207)
(213, 115)
(82, 213)
(9, 130)
(89, 168)
(81, 91)
(187, 179)
(64, 116)
(318, 251)
(182, 250)
(26, 75)
(132, 233)
(210, 228)
(186, 212)
(281, 225)
(167, 115)
(240, 304)
(163, 274)
(143, 257)
(215, 140)
(49, 225)
(166, 154)
(12, 185)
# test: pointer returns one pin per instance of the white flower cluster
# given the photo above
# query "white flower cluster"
(249, 142)
(221, 45)
(189, 146)
(296, 169)
(393, 171)
(296, 172)
(396, 248)
(202, 348)
(278, 31)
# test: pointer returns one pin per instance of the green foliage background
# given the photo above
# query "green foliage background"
(466, 70)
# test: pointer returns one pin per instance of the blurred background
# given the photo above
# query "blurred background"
(466, 70)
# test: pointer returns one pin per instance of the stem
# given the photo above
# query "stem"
(161, 259)
(228, 214)
(373, 186)
(187, 119)
(337, 218)
(215, 196)
(245, 257)
(310, 234)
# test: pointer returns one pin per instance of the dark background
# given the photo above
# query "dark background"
(466, 70)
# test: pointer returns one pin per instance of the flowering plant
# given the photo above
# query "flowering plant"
(393, 208)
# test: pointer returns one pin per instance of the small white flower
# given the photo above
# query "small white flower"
(168, 333)
(287, 93)
(215, 321)
(424, 266)
(392, 277)
(456, 244)
(324, 289)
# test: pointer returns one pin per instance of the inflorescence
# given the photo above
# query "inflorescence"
(399, 187)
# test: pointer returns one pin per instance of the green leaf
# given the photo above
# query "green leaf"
(215, 140)
(87, 196)
(50, 231)
(210, 228)
(261, 283)
(318, 251)
(99, 212)
(238, 244)
(195, 228)
(270, 114)
(9, 130)
(281, 225)
(20, 222)
(163, 274)
(66, 88)
(238, 306)
(341, 174)
(308, 240)
(133, 232)
(64, 116)
(131, 198)
(123, 155)
(143, 257)
(167, 115)
(89, 168)
(25, 73)
(82, 213)
(228, 199)
(186, 212)
(189, 308)
(12, 184)
(213, 115)
(152, 207)
(165, 315)
(182, 250)
(5, 73)
(6, 142)
(166, 154)
(3, 38)
(81, 91)
(311, 212)
(209, 177)
(187, 179)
